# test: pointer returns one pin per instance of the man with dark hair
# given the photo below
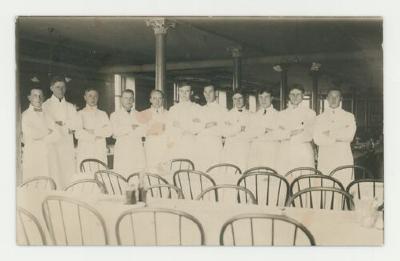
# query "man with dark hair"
(128, 131)
(209, 140)
(264, 142)
(334, 131)
(295, 129)
(237, 144)
(93, 129)
(184, 125)
(64, 115)
(38, 132)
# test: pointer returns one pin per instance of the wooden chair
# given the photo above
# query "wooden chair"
(114, 183)
(163, 191)
(92, 165)
(366, 189)
(158, 226)
(86, 186)
(181, 164)
(33, 233)
(218, 193)
(347, 173)
(301, 171)
(264, 229)
(224, 173)
(322, 198)
(40, 183)
(268, 187)
(192, 182)
(312, 181)
(72, 222)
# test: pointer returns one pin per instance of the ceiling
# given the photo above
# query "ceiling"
(96, 42)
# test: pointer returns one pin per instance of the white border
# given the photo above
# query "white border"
(387, 9)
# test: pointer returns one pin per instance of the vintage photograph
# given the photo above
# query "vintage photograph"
(199, 131)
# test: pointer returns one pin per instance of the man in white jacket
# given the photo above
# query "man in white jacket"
(209, 140)
(128, 131)
(93, 129)
(334, 131)
(263, 127)
(236, 132)
(38, 132)
(65, 117)
(295, 130)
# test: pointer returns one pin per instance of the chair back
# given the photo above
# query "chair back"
(224, 173)
(322, 198)
(366, 189)
(158, 226)
(192, 182)
(301, 171)
(39, 183)
(347, 173)
(181, 164)
(91, 186)
(312, 181)
(228, 193)
(115, 183)
(268, 187)
(149, 179)
(29, 230)
(163, 191)
(92, 165)
(265, 230)
(72, 222)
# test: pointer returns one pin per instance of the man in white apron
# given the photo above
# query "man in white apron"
(236, 133)
(334, 131)
(128, 131)
(38, 132)
(209, 140)
(295, 129)
(156, 138)
(184, 125)
(65, 117)
(93, 129)
(263, 127)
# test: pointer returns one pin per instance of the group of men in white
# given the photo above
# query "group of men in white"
(207, 135)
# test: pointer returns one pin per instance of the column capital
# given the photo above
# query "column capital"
(315, 67)
(280, 67)
(160, 25)
(236, 51)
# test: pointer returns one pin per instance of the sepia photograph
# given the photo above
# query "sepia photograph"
(199, 131)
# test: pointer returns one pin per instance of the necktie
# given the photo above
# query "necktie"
(157, 111)
(240, 110)
(265, 111)
(129, 111)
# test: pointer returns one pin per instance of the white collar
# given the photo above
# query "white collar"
(54, 98)
(90, 108)
(237, 110)
(268, 110)
(160, 110)
(31, 108)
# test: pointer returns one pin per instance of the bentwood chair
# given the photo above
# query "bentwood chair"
(163, 191)
(72, 222)
(181, 164)
(322, 198)
(32, 231)
(301, 171)
(149, 179)
(158, 226)
(312, 181)
(366, 189)
(192, 182)
(228, 193)
(39, 183)
(347, 173)
(268, 187)
(224, 173)
(86, 186)
(265, 230)
(92, 165)
(114, 183)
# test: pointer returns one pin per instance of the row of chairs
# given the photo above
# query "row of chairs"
(72, 222)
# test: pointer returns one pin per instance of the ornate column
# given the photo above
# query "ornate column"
(237, 67)
(282, 69)
(315, 67)
(160, 27)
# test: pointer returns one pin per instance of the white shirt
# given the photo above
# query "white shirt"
(213, 112)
